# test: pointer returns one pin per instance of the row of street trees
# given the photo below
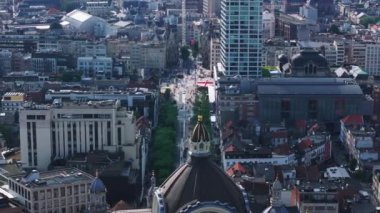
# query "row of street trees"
(164, 140)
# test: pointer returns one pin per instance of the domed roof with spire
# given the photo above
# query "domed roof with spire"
(200, 132)
(97, 186)
(201, 181)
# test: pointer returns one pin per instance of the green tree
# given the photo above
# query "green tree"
(167, 94)
(164, 145)
(69, 76)
(195, 49)
(6, 131)
(334, 29)
(366, 21)
(55, 26)
(265, 71)
(69, 5)
(353, 164)
(185, 53)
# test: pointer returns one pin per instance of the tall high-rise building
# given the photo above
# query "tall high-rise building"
(241, 37)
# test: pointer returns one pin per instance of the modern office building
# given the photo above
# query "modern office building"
(65, 129)
(241, 37)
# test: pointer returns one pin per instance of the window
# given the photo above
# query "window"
(55, 193)
(320, 208)
(312, 109)
(330, 208)
(42, 195)
(285, 109)
(82, 188)
(30, 117)
(76, 189)
(69, 191)
(48, 194)
(339, 106)
(40, 117)
(119, 136)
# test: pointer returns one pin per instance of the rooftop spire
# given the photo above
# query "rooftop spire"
(200, 140)
(200, 118)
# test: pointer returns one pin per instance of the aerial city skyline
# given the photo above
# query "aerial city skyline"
(189, 106)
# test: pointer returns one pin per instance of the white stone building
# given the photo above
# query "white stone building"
(268, 24)
(97, 7)
(66, 129)
(81, 22)
(267, 157)
(64, 190)
(358, 139)
(48, 46)
(97, 65)
(372, 59)
(214, 52)
(334, 52)
(211, 8)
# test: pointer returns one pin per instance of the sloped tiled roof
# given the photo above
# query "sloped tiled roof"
(283, 149)
(353, 119)
(305, 143)
(121, 205)
(230, 148)
(236, 167)
(310, 173)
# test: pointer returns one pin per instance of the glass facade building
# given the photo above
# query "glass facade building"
(241, 37)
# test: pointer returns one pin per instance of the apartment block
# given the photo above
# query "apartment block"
(64, 190)
(64, 129)
(214, 52)
(12, 101)
(95, 65)
(359, 140)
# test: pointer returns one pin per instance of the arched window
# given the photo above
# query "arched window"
(201, 146)
(310, 71)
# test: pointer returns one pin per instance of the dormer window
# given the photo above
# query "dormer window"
(201, 146)
(310, 69)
